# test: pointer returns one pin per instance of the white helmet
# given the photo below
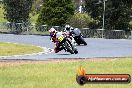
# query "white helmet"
(52, 31)
(67, 27)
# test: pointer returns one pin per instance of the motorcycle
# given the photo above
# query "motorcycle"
(79, 39)
(66, 44)
(70, 38)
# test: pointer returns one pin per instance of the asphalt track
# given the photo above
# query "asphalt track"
(96, 48)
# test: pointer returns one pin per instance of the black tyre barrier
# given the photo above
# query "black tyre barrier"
(43, 28)
(17, 28)
(88, 33)
(59, 28)
(108, 34)
(115, 34)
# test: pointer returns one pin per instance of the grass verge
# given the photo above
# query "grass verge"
(7, 49)
(60, 74)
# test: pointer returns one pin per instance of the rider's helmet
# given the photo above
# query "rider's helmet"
(52, 31)
(67, 27)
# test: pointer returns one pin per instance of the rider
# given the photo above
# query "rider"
(68, 32)
(67, 28)
(53, 35)
(75, 31)
(72, 31)
(76, 34)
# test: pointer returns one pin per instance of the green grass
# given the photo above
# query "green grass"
(34, 31)
(61, 74)
(7, 49)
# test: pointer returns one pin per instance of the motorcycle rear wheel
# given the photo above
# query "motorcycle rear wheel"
(83, 41)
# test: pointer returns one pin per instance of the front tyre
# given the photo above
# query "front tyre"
(69, 49)
(72, 47)
(76, 52)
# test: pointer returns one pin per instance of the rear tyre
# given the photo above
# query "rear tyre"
(83, 41)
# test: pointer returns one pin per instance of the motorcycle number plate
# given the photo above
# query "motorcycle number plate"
(60, 38)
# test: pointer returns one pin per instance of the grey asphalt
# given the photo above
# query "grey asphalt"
(96, 48)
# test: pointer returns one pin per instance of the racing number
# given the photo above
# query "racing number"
(60, 38)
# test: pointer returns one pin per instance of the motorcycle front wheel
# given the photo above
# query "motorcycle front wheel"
(68, 47)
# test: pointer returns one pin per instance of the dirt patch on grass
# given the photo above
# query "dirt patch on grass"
(21, 62)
